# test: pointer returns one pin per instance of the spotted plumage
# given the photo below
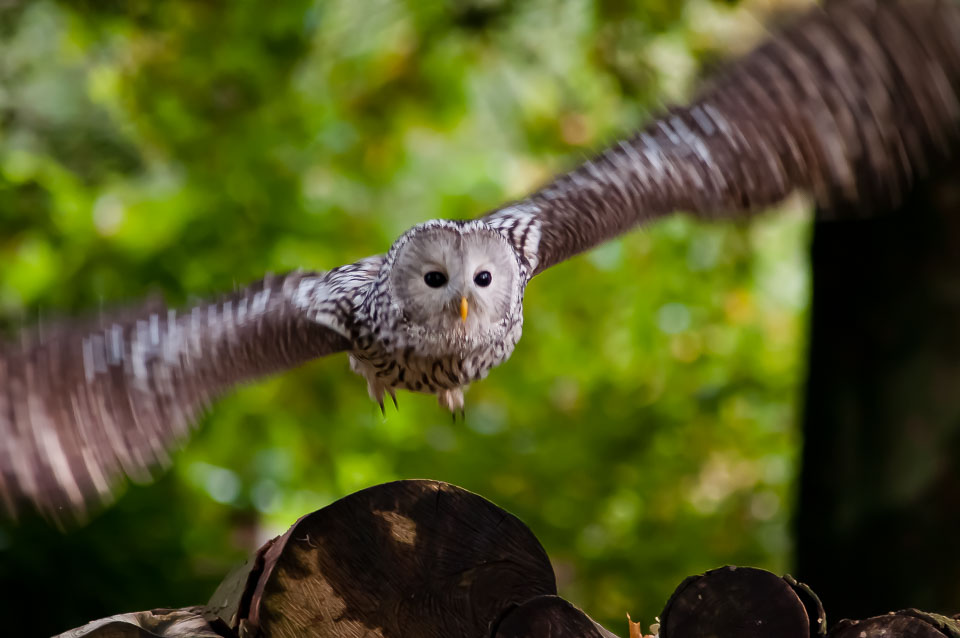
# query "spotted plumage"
(852, 103)
(393, 350)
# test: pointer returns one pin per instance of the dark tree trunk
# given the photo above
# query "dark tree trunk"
(879, 512)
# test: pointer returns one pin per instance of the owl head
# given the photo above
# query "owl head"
(455, 283)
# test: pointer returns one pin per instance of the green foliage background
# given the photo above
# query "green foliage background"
(645, 428)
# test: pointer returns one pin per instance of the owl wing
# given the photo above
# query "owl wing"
(82, 405)
(852, 102)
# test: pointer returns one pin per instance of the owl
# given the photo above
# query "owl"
(851, 103)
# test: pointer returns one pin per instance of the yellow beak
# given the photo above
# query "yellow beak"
(464, 309)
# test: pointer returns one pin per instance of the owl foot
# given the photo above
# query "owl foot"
(379, 400)
(377, 391)
(451, 400)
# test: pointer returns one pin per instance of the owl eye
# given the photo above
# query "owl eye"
(483, 278)
(434, 279)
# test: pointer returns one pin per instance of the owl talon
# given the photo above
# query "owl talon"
(393, 395)
(451, 400)
(383, 410)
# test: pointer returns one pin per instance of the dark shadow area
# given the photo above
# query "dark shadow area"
(879, 510)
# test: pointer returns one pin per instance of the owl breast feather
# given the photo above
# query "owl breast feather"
(389, 367)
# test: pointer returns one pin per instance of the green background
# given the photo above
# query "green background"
(646, 426)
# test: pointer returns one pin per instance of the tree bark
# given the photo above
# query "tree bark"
(158, 623)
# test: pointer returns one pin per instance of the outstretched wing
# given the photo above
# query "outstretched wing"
(82, 405)
(852, 103)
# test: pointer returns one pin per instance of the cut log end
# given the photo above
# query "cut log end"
(736, 601)
(410, 558)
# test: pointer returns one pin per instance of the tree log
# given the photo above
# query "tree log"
(159, 623)
(909, 623)
(549, 616)
(411, 558)
(424, 559)
(742, 602)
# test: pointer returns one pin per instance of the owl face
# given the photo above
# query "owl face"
(455, 282)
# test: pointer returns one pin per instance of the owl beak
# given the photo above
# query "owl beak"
(464, 309)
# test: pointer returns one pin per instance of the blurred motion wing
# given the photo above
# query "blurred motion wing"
(852, 102)
(82, 405)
